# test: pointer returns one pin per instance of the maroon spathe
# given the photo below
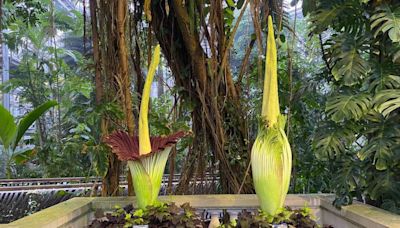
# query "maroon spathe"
(127, 147)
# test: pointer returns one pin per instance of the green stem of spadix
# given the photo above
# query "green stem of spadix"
(270, 104)
(144, 136)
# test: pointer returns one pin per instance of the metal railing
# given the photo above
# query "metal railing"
(76, 182)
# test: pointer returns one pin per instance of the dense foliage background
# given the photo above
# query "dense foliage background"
(339, 81)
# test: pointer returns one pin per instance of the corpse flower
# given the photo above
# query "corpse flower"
(146, 157)
(271, 157)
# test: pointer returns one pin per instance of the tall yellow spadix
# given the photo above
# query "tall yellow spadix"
(270, 104)
(144, 135)
(271, 157)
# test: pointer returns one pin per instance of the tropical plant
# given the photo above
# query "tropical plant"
(359, 136)
(55, 67)
(12, 133)
(146, 156)
(271, 157)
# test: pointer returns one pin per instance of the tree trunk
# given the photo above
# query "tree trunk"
(217, 115)
(110, 182)
(112, 78)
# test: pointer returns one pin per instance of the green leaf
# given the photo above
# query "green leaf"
(239, 4)
(324, 17)
(345, 107)
(336, 16)
(350, 67)
(7, 127)
(387, 101)
(383, 141)
(30, 118)
(332, 142)
(230, 3)
(380, 147)
(23, 156)
(100, 160)
(382, 82)
(384, 185)
(386, 20)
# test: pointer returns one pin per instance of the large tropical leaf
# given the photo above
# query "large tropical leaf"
(328, 13)
(383, 76)
(30, 118)
(381, 149)
(387, 20)
(332, 142)
(384, 82)
(383, 140)
(384, 185)
(387, 101)
(346, 179)
(7, 127)
(346, 107)
(350, 67)
(346, 56)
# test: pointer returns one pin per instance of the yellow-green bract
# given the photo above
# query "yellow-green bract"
(271, 157)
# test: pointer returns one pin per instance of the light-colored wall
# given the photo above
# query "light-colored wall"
(78, 212)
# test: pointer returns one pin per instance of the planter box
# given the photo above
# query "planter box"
(79, 212)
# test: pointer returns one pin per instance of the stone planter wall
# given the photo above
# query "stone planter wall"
(78, 212)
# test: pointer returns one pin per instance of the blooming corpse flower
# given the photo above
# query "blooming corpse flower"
(146, 156)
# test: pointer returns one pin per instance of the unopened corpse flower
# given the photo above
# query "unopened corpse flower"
(146, 157)
(271, 157)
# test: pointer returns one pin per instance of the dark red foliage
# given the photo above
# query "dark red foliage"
(159, 143)
(123, 145)
(127, 147)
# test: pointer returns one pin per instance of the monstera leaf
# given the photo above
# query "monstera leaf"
(387, 20)
(346, 107)
(384, 184)
(387, 101)
(381, 149)
(382, 82)
(350, 68)
(328, 13)
(332, 141)
(347, 58)
(383, 141)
